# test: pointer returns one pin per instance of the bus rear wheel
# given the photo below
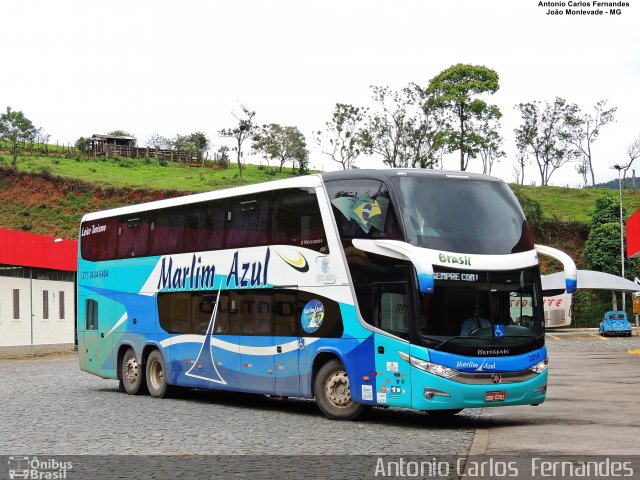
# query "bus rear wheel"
(132, 374)
(333, 392)
(156, 376)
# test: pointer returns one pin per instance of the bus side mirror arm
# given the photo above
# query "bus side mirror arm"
(570, 269)
(403, 251)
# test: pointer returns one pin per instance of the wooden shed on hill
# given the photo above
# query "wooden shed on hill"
(101, 143)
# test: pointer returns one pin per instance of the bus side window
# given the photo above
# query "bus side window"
(174, 312)
(285, 318)
(133, 236)
(98, 239)
(204, 229)
(91, 315)
(202, 305)
(248, 221)
(297, 220)
(166, 228)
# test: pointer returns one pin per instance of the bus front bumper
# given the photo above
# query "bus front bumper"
(431, 392)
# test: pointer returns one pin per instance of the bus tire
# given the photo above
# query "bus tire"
(156, 375)
(132, 374)
(333, 394)
(444, 413)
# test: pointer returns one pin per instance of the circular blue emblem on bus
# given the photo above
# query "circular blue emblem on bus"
(312, 316)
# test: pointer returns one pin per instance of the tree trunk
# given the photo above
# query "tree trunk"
(239, 162)
(462, 166)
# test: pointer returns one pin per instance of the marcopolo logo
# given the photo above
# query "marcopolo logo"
(40, 469)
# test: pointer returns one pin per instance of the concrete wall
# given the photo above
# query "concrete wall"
(31, 328)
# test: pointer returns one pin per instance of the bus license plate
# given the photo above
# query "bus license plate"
(495, 396)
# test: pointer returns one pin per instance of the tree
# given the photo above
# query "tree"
(583, 169)
(402, 128)
(490, 146)
(424, 140)
(195, 143)
(123, 133)
(633, 152)
(518, 170)
(15, 129)
(83, 145)
(283, 144)
(544, 134)
(583, 130)
(602, 248)
(245, 129)
(455, 92)
(342, 139)
(386, 130)
(158, 142)
(223, 156)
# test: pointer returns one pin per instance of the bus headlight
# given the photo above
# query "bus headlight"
(540, 367)
(434, 368)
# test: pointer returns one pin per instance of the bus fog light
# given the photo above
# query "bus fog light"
(429, 393)
(540, 367)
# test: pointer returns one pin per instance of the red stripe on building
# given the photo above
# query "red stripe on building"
(31, 250)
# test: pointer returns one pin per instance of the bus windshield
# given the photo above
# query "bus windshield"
(475, 308)
(461, 215)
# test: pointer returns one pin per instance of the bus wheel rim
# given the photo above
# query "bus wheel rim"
(337, 389)
(157, 374)
(131, 370)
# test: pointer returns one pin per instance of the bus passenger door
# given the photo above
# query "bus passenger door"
(289, 355)
(393, 374)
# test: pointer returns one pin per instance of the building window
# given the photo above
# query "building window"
(45, 304)
(16, 304)
(61, 304)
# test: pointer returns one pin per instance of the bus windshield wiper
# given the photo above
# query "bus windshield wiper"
(459, 338)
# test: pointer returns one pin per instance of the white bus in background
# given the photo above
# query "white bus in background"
(557, 310)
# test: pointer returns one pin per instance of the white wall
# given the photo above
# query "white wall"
(45, 331)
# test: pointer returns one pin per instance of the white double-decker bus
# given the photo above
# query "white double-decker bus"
(405, 288)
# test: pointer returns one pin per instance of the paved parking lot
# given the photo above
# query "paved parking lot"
(50, 407)
(591, 406)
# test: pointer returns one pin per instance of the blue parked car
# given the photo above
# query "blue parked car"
(615, 323)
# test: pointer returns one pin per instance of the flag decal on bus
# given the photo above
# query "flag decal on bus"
(365, 211)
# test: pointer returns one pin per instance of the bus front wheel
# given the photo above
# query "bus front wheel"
(132, 374)
(333, 393)
(157, 376)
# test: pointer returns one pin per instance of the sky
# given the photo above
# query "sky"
(77, 68)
